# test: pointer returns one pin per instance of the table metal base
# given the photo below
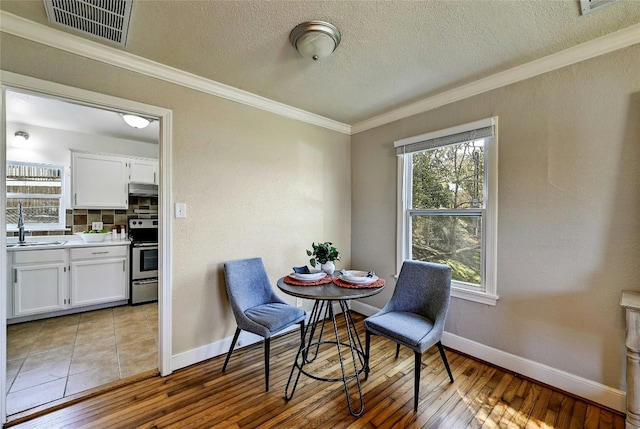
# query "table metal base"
(310, 347)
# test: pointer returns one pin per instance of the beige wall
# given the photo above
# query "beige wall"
(255, 183)
(569, 204)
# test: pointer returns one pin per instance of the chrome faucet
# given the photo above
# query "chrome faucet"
(20, 223)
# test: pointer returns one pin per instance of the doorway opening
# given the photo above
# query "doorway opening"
(133, 338)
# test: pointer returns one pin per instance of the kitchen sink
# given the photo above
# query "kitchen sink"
(36, 243)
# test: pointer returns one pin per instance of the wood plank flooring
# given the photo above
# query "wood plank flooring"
(201, 396)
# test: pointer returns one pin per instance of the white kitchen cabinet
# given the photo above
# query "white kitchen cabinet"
(99, 275)
(39, 281)
(143, 171)
(99, 181)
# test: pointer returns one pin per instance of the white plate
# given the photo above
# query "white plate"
(358, 277)
(308, 277)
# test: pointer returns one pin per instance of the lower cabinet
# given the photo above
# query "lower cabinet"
(46, 281)
(39, 281)
(98, 275)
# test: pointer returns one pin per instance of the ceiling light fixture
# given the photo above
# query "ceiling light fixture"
(20, 137)
(136, 121)
(315, 39)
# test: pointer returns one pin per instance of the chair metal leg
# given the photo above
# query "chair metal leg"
(367, 347)
(444, 359)
(233, 344)
(267, 346)
(416, 386)
(397, 350)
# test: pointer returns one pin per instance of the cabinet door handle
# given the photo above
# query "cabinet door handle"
(100, 253)
(123, 266)
(15, 275)
(75, 199)
(154, 178)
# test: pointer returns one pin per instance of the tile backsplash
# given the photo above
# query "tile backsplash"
(78, 220)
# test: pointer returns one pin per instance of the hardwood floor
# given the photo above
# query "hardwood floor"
(200, 396)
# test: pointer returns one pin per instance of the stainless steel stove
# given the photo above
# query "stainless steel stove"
(144, 260)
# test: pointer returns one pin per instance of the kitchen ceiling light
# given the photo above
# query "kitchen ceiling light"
(136, 121)
(20, 137)
(315, 39)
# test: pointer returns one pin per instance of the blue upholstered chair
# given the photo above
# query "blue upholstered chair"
(256, 307)
(415, 314)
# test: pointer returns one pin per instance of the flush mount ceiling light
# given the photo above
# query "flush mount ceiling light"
(315, 39)
(136, 121)
(20, 137)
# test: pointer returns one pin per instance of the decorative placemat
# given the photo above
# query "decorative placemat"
(342, 283)
(296, 282)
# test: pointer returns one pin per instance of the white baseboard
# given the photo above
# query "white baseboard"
(579, 386)
(193, 356)
(614, 399)
(609, 397)
(364, 309)
(217, 348)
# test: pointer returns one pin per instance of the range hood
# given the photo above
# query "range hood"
(140, 190)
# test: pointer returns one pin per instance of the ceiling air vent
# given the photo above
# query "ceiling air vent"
(105, 19)
(590, 5)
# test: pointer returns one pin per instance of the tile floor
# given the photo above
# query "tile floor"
(53, 358)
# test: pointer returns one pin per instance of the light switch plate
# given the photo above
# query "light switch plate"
(181, 210)
(97, 226)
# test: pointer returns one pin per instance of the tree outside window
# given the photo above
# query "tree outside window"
(447, 205)
(447, 196)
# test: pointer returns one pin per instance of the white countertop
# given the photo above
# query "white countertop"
(70, 241)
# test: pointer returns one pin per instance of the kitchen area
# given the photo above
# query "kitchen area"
(82, 250)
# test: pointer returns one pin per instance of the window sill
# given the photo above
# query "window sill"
(471, 295)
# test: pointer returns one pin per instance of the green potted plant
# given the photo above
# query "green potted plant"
(323, 255)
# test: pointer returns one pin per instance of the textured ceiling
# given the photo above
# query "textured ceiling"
(392, 53)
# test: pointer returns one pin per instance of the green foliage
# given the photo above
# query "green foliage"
(428, 191)
(449, 177)
(323, 253)
(462, 272)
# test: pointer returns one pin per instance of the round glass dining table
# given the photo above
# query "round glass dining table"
(319, 346)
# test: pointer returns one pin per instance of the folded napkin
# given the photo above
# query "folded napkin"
(301, 270)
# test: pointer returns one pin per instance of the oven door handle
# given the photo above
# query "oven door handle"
(145, 282)
(145, 245)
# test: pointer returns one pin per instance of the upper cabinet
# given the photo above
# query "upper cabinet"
(99, 181)
(143, 171)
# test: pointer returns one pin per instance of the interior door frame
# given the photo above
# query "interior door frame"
(13, 81)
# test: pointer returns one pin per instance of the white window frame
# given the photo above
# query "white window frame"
(487, 293)
(61, 225)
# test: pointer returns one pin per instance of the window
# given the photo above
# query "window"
(447, 205)
(40, 188)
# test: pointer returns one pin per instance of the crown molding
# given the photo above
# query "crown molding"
(591, 49)
(26, 29)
